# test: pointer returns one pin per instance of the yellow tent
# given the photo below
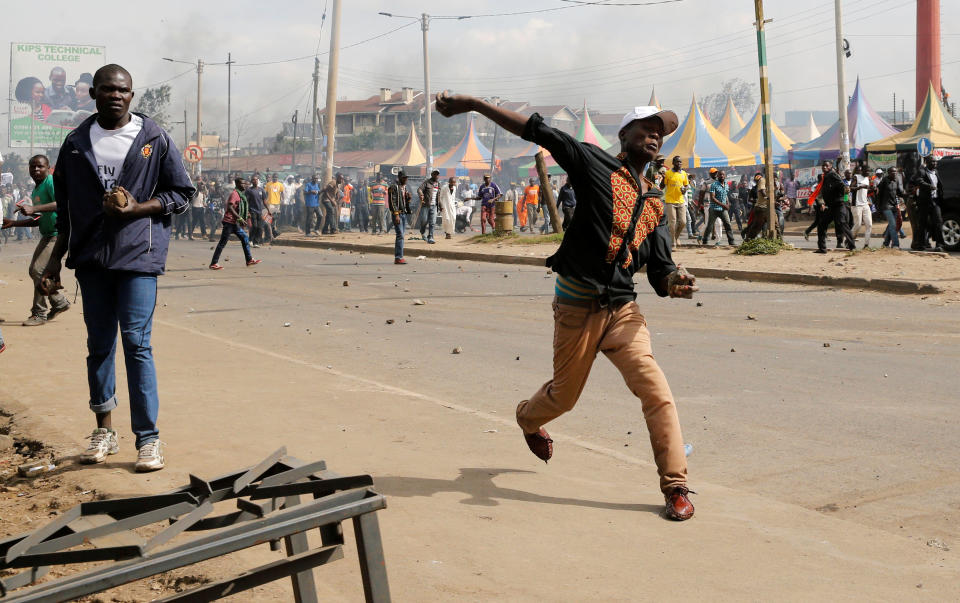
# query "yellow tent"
(932, 122)
(731, 123)
(411, 153)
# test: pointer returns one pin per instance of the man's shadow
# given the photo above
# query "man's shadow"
(478, 484)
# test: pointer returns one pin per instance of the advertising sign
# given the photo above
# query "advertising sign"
(50, 91)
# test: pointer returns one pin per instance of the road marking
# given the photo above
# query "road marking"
(585, 444)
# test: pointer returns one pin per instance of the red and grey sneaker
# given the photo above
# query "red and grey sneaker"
(216, 267)
(540, 444)
(679, 507)
(253, 262)
(399, 261)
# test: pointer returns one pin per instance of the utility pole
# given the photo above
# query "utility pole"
(765, 113)
(186, 139)
(841, 89)
(199, 115)
(332, 75)
(229, 79)
(316, 80)
(293, 161)
(493, 150)
(425, 26)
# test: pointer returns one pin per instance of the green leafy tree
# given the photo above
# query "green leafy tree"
(154, 103)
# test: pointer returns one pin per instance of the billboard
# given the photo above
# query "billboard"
(50, 86)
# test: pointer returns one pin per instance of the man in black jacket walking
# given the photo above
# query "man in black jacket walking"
(929, 219)
(831, 193)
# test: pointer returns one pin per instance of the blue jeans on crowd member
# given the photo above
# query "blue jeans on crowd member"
(111, 299)
(399, 227)
(229, 229)
(780, 219)
(890, 235)
(428, 219)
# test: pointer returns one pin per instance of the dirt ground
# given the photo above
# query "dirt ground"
(852, 501)
(939, 269)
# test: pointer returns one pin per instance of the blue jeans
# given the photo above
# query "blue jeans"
(890, 236)
(113, 298)
(229, 229)
(399, 227)
(428, 219)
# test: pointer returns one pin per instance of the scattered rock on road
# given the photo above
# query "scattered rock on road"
(346, 283)
(389, 321)
(457, 350)
(419, 302)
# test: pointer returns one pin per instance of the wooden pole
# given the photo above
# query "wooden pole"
(547, 191)
(766, 120)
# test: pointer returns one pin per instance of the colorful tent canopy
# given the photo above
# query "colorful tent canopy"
(699, 144)
(587, 132)
(932, 122)
(653, 99)
(412, 152)
(731, 124)
(469, 154)
(865, 125)
(811, 131)
(530, 150)
(751, 138)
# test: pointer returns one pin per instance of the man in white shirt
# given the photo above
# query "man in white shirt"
(862, 213)
(118, 181)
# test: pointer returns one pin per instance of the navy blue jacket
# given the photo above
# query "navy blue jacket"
(152, 169)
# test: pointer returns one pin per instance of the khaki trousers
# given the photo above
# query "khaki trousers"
(621, 334)
(677, 218)
(38, 264)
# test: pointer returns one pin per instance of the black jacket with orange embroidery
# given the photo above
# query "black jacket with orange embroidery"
(596, 247)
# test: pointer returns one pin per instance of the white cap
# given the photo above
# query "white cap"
(668, 118)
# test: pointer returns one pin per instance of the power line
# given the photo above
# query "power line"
(311, 56)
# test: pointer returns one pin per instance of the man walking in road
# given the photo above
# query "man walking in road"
(331, 213)
(489, 193)
(235, 216)
(717, 208)
(119, 178)
(44, 216)
(676, 183)
(398, 200)
(531, 205)
(619, 228)
(833, 209)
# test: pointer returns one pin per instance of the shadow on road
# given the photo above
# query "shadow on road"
(478, 485)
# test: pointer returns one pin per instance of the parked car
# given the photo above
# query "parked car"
(949, 171)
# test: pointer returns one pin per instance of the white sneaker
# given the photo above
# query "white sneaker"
(103, 442)
(150, 457)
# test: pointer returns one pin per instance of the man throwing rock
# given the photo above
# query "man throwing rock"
(618, 228)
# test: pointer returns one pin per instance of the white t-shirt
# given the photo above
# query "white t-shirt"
(198, 200)
(110, 148)
(862, 181)
(935, 180)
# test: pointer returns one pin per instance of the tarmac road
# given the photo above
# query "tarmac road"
(828, 471)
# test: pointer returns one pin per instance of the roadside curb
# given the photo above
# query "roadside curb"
(884, 285)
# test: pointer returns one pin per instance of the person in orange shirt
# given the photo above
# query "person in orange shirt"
(530, 204)
(346, 202)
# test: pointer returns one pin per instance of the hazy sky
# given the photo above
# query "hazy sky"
(606, 56)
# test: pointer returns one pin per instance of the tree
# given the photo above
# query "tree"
(738, 90)
(154, 102)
